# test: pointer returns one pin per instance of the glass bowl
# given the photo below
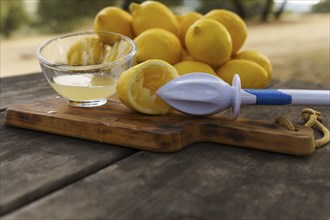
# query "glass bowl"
(84, 67)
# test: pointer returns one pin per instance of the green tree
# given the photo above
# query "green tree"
(58, 16)
(208, 5)
(279, 12)
(244, 8)
(261, 9)
(12, 16)
(267, 9)
(63, 15)
(322, 7)
(169, 3)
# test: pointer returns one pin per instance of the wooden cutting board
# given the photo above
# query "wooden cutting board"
(115, 124)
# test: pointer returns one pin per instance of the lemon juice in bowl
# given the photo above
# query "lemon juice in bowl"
(84, 67)
(84, 87)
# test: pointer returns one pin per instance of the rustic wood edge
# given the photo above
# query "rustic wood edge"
(262, 135)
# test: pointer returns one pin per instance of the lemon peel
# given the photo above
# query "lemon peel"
(185, 55)
(208, 41)
(185, 21)
(257, 57)
(114, 19)
(233, 23)
(252, 75)
(190, 66)
(152, 14)
(86, 51)
(137, 86)
(158, 43)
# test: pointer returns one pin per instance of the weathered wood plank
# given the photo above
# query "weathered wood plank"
(34, 164)
(203, 181)
(21, 148)
(114, 123)
(25, 88)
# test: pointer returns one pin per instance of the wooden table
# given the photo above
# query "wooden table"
(47, 176)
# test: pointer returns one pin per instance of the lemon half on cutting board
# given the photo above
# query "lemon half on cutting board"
(137, 86)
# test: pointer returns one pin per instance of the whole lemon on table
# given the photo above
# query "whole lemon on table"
(208, 41)
(190, 66)
(152, 14)
(252, 75)
(233, 23)
(257, 57)
(158, 43)
(185, 21)
(86, 51)
(137, 86)
(114, 19)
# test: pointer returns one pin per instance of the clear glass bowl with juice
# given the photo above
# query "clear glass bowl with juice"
(84, 67)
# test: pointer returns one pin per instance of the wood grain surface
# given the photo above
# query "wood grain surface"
(34, 164)
(203, 181)
(25, 88)
(114, 123)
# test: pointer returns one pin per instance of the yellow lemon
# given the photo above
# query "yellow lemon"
(160, 44)
(208, 41)
(114, 19)
(252, 75)
(233, 23)
(185, 55)
(137, 86)
(257, 57)
(86, 51)
(152, 14)
(185, 21)
(117, 51)
(190, 66)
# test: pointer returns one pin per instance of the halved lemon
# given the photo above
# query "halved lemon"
(137, 86)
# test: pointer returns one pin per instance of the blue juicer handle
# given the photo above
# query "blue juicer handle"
(285, 97)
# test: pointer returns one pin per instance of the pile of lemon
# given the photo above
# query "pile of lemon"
(170, 45)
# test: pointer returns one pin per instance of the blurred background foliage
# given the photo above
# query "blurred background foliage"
(59, 16)
(13, 16)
